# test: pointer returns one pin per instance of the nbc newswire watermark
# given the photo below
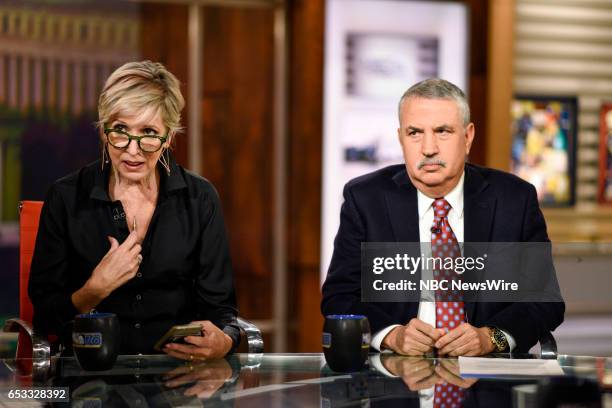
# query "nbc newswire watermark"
(474, 272)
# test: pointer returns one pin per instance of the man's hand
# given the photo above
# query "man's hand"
(448, 370)
(418, 373)
(465, 340)
(213, 344)
(414, 339)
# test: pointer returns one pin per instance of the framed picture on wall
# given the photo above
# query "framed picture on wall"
(544, 146)
(605, 154)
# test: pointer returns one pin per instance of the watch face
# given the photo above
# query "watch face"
(500, 339)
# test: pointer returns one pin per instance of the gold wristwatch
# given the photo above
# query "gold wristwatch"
(498, 338)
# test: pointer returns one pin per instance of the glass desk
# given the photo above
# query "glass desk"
(300, 380)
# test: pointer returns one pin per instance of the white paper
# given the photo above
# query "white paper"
(482, 367)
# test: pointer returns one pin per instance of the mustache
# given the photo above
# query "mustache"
(427, 161)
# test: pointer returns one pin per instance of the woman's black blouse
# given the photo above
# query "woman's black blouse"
(185, 274)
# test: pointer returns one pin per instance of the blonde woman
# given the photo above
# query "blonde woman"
(134, 233)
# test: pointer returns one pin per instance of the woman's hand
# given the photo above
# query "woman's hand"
(118, 266)
(213, 343)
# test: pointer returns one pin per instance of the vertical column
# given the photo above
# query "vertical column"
(25, 83)
(13, 81)
(77, 88)
(37, 84)
(51, 84)
(2, 79)
(499, 83)
(280, 179)
(91, 86)
(195, 75)
(63, 85)
(106, 70)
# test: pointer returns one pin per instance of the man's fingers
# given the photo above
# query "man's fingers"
(450, 365)
(430, 381)
(421, 375)
(470, 348)
(449, 378)
(455, 344)
(414, 333)
(412, 348)
(425, 328)
(451, 336)
(412, 365)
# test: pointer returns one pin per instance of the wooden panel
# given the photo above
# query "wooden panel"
(501, 37)
(236, 109)
(163, 38)
(306, 25)
(237, 146)
(478, 66)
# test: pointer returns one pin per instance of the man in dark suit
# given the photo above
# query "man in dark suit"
(471, 204)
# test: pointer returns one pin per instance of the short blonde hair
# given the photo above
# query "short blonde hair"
(138, 86)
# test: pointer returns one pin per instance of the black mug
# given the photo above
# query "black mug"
(96, 340)
(346, 342)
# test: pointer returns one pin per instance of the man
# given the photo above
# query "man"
(409, 203)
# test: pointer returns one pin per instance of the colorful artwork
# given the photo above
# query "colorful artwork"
(543, 146)
(605, 154)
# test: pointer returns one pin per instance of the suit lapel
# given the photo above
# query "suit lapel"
(403, 209)
(478, 208)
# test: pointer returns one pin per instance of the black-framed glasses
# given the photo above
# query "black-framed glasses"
(121, 140)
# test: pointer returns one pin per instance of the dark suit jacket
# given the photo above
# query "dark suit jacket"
(382, 207)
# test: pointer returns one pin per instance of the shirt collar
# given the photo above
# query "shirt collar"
(167, 182)
(454, 198)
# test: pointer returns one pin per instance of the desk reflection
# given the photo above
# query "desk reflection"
(304, 380)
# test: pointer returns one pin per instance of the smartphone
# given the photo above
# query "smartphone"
(176, 334)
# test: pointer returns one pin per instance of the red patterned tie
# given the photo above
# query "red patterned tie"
(449, 305)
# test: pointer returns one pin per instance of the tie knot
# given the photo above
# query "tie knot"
(441, 208)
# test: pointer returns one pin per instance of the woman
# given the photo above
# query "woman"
(134, 233)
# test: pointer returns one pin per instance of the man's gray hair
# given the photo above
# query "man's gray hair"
(437, 88)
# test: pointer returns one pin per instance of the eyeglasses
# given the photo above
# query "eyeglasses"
(121, 140)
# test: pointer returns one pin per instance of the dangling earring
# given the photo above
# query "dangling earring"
(165, 161)
(104, 157)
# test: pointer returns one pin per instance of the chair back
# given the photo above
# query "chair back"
(29, 215)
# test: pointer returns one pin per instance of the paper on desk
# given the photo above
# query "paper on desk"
(482, 367)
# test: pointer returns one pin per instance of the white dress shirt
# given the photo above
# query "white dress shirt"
(427, 305)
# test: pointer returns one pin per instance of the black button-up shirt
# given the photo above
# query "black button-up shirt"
(185, 274)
